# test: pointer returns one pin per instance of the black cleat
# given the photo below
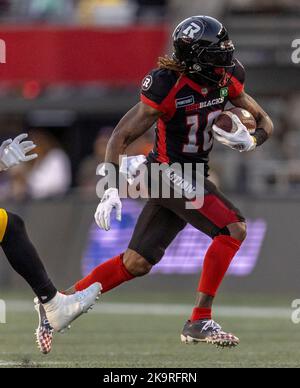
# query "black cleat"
(207, 331)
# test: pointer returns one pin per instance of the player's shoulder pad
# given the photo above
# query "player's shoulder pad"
(239, 71)
(158, 83)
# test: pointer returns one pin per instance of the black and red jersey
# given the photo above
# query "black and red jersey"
(183, 133)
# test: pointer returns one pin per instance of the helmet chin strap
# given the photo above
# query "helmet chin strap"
(198, 70)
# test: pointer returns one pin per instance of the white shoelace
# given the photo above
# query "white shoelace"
(215, 328)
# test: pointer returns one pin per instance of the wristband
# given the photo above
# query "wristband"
(260, 136)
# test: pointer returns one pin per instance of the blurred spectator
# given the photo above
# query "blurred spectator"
(53, 11)
(106, 12)
(265, 5)
(51, 173)
(49, 176)
(4, 7)
(183, 9)
(87, 178)
(152, 10)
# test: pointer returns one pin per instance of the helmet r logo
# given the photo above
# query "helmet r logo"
(147, 82)
(192, 30)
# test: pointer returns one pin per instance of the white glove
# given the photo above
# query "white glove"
(14, 152)
(110, 201)
(240, 140)
(130, 165)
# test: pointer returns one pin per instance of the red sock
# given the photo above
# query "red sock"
(110, 274)
(216, 263)
(200, 313)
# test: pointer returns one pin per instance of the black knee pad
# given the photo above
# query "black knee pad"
(220, 232)
(224, 232)
(153, 256)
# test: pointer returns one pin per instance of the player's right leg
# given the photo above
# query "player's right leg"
(154, 231)
(60, 309)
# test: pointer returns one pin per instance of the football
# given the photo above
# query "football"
(225, 122)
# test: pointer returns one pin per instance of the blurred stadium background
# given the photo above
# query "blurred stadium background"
(73, 68)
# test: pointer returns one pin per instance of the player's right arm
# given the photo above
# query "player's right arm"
(133, 125)
(155, 89)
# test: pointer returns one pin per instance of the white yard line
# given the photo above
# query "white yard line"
(31, 363)
(168, 310)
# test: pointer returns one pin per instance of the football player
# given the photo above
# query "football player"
(183, 96)
(60, 309)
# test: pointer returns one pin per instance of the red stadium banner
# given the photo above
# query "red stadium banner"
(78, 55)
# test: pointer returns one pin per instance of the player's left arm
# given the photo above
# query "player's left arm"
(265, 125)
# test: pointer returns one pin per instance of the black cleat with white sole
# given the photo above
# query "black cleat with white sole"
(207, 331)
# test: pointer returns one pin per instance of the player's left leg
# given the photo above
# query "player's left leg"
(201, 327)
(220, 220)
(216, 263)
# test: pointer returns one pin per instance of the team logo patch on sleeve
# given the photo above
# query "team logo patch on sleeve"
(147, 83)
(185, 101)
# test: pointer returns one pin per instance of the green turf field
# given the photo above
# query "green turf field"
(147, 335)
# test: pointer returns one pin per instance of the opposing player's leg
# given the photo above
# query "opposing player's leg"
(220, 220)
(60, 309)
(61, 312)
(23, 257)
